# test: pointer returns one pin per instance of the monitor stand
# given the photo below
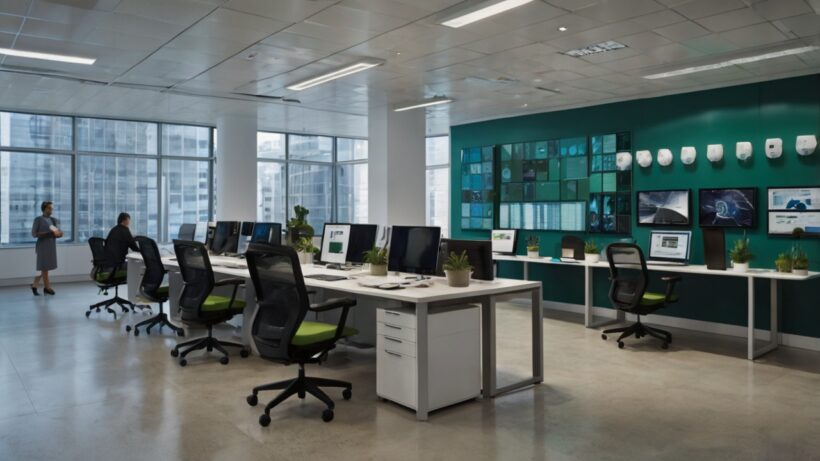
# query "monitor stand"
(339, 267)
(714, 246)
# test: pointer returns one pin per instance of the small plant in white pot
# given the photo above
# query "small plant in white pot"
(741, 254)
(800, 259)
(592, 254)
(305, 249)
(533, 247)
(458, 269)
(377, 258)
(783, 263)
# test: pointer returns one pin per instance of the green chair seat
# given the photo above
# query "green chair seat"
(215, 303)
(654, 299)
(102, 277)
(162, 291)
(317, 332)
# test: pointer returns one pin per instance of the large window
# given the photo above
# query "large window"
(351, 180)
(160, 174)
(311, 186)
(437, 202)
(270, 192)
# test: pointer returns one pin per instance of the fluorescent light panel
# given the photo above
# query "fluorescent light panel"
(483, 12)
(732, 62)
(47, 56)
(428, 103)
(338, 73)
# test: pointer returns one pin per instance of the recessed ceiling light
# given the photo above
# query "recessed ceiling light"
(602, 47)
(47, 56)
(537, 80)
(481, 11)
(333, 75)
(427, 103)
(524, 105)
(733, 62)
(562, 29)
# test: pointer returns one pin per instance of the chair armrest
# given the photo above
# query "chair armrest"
(333, 303)
(670, 280)
(233, 281)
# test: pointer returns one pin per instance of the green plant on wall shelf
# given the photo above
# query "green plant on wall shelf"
(800, 259)
(783, 262)
(590, 247)
(741, 254)
(533, 243)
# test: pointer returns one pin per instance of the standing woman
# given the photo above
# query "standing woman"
(46, 230)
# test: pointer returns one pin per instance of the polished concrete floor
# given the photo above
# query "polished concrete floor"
(73, 388)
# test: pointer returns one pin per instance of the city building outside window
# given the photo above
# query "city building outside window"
(437, 187)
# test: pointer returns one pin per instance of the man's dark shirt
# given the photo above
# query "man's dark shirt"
(117, 243)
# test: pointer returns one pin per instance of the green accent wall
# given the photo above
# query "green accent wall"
(775, 109)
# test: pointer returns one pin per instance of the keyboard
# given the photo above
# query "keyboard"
(326, 277)
(651, 262)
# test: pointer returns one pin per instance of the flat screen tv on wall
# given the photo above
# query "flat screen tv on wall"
(729, 207)
(664, 208)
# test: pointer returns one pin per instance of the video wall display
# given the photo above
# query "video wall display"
(610, 204)
(791, 208)
(477, 191)
(732, 207)
(664, 208)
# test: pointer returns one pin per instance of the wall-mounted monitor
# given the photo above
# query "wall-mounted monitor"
(794, 198)
(665, 208)
(785, 222)
(730, 207)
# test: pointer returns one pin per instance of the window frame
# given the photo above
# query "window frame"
(439, 166)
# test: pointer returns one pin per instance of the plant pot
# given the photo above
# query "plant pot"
(592, 258)
(800, 271)
(305, 257)
(785, 267)
(458, 278)
(740, 267)
(378, 269)
(533, 254)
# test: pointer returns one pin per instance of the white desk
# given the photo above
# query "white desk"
(421, 299)
(752, 275)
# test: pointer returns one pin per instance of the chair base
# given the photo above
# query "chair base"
(160, 319)
(301, 385)
(208, 343)
(125, 305)
(639, 330)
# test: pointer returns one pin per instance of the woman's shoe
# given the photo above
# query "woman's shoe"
(34, 291)
(48, 291)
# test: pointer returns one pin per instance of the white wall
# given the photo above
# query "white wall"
(235, 168)
(17, 265)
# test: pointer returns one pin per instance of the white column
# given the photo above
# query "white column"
(396, 166)
(236, 168)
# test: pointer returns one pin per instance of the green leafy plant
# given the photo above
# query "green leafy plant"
(741, 253)
(457, 262)
(783, 262)
(590, 247)
(305, 245)
(376, 256)
(298, 226)
(800, 259)
(533, 243)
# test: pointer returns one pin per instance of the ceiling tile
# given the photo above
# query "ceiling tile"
(731, 20)
(710, 44)
(659, 19)
(497, 43)
(183, 12)
(702, 8)
(779, 9)
(282, 10)
(596, 35)
(803, 26)
(760, 34)
(10, 24)
(618, 10)
(682, 31)
(644, 40)
(17, 7)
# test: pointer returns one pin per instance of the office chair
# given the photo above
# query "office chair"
(576, 244)
(281, 332)
(187, 232)
(107, 277)
(199, 307)
(151, 287)
(630, 279)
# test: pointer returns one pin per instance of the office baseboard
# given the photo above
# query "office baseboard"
(25, 282)
(786, 339)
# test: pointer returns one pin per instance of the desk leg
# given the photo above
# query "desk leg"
(526, 270)
(537, 337)
(488, 347)
(589, 321)
(774, 307)
(423, 361)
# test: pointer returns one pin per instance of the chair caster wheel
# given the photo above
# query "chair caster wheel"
(264, 420)
(665, 346)
(128, 328)
(346, 394)
(244, 353)
(252, 400)
(180, 332)
(137, 333)
(209, 349)
(620, 344)
(87, 314)
(183, 362)
(224, 360)
(174, 353)
(98, 310)
(327, 416)
(603, 337)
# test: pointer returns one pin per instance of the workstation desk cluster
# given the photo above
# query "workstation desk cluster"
(422, 301)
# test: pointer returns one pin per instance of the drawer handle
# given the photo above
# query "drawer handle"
(392, 326)
(393, 353)
(391, 313)
(393, 339)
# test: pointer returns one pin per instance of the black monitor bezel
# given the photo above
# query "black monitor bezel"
(391, 262)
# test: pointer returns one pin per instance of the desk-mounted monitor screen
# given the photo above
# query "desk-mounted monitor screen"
(335, 238)
(670, 245)
(504, 241)
(362, 239)
(479, 253)
(226, 237)
(728, 207)
(414, 249)
(664, 208)
(267, 232)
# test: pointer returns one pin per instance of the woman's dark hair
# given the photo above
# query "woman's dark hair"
(122, 217)
(45, 205)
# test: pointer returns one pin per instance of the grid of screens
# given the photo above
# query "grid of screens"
(477, 191)
(791, 208)
(610, 207)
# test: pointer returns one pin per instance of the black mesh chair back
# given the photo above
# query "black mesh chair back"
(154, 269)
(576, 244)
(281, 296)
(628, 273)
(98, 258)
(197, 273)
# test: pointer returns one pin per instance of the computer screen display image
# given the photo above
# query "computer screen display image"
(728, 207)
(664, 208)
(794, 198)
(362, 239)
(226, 237)
(673, 246)
(247, 228)
(335, 238)
(504, 241)
(267, 232)
(479, 253)
(414, 249)
(785, 222)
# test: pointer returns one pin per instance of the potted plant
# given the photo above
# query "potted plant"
(741, 254)
(592, 254)
(800, 259)
(298, 226)
(783, 263)
(305, 248)
(533, 247)
(458, 269)
(377, 258)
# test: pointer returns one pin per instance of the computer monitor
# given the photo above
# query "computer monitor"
(670, 246)
(479, 253)
(504, 241)
(362, 238)
(414, 249)
(226, 237)
(210, 230)
(267, 232)
(335, 239)
(187, 232)
(247, 228)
